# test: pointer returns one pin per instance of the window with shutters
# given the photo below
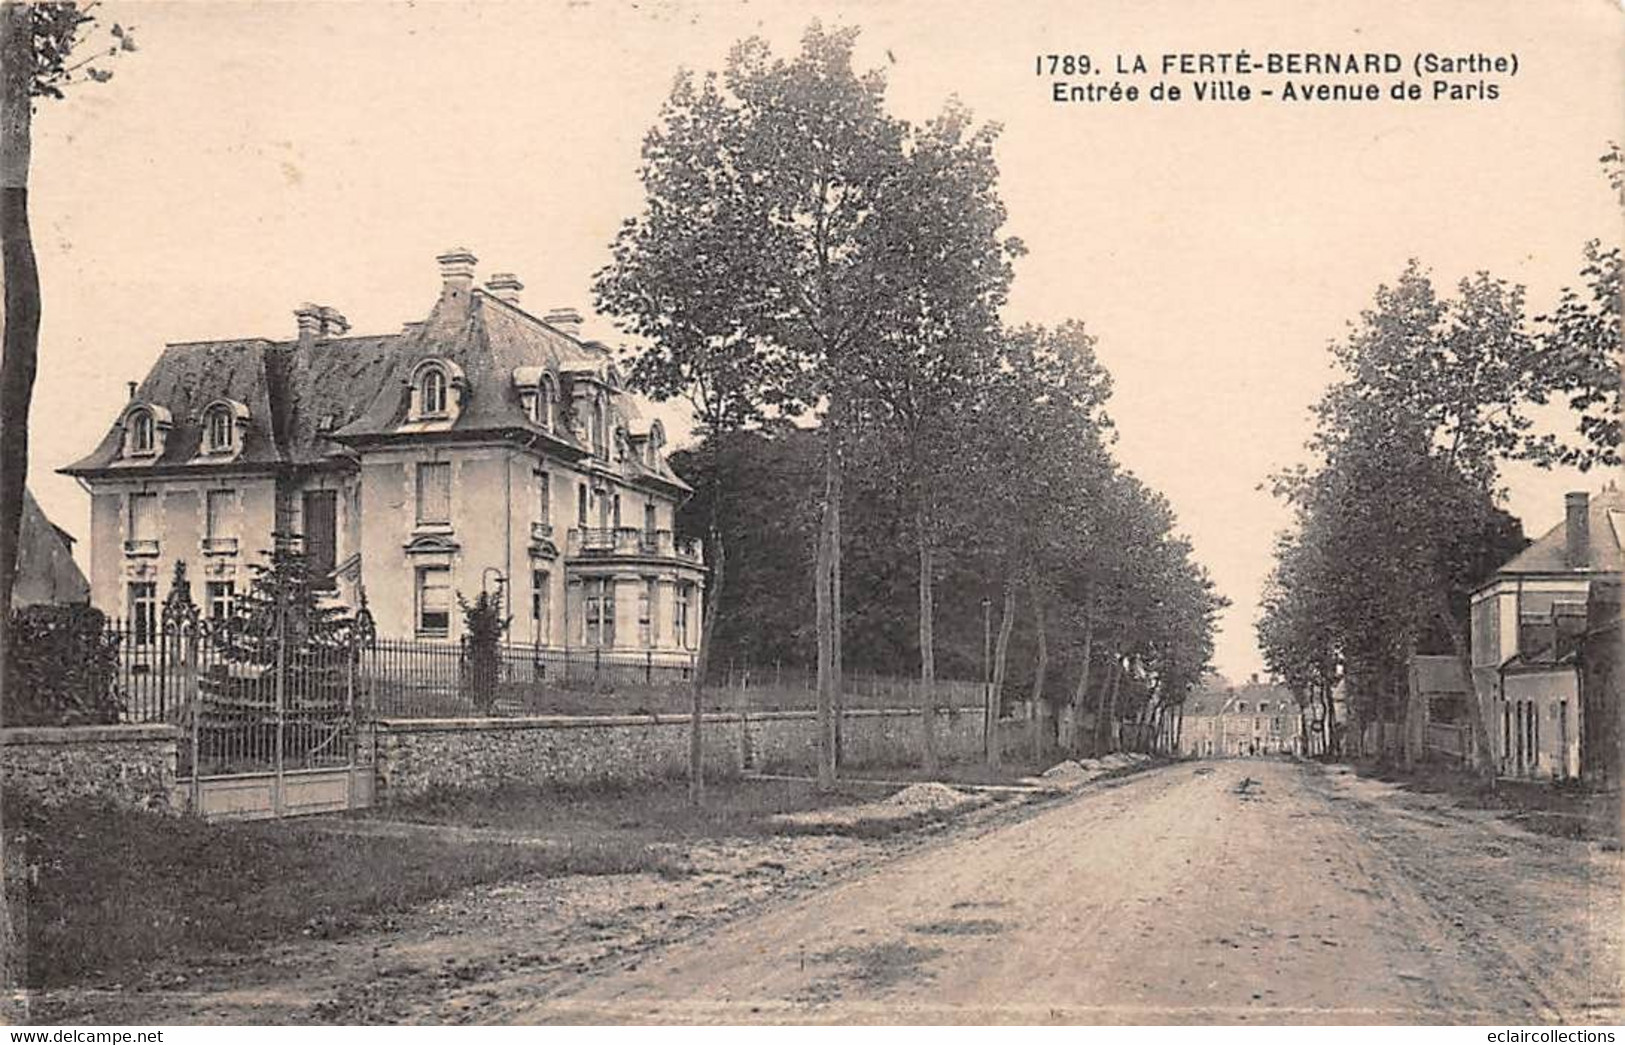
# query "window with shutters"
(434, 493)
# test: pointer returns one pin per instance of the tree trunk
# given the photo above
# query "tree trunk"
(836, 619)
(1001, 650)
(928, 657)
(823, 597)
(1100, 704)
(1040, 669)
(717, 558)
(1111, 711)
(21, 348)
(1075, 741)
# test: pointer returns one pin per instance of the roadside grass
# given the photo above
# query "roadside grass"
(103, 893)
(1560, 810)
(647, 814)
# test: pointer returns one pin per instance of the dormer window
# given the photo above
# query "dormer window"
(538, 395)
(142, 440)
(547, 403)
(655, 442)
(599, 421)
(145, 428)
(223, 423)
(219, 429)
(433, 391)
(437, 391)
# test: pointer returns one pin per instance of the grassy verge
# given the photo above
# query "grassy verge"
(1564, 810)
(654, 813)
(104, 892)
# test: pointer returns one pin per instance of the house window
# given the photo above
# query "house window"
(321, 536)
(220, 594)
(221, 433)
(544, 498)
(215, 505)
(646, 603)
(143, 521)
(434, 601)
(434, 492)
(649, 517)
(547, 403)
(143, 612)
(432, 391)
(598, 422)
(617, 511)
(141, 432)
(680, 614)
(581, 505)
(538, 604)
(598, 626)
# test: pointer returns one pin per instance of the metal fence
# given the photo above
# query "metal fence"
(240, 710)
(260, 710)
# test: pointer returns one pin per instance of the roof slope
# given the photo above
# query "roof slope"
(46, 572)
(1605, 518)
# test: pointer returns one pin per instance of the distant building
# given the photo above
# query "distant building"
(482, 447)
(46, 572)
(1256, 718)
(1529, 624)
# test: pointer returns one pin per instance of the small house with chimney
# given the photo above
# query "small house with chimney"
(485, 447)
(1529, 623)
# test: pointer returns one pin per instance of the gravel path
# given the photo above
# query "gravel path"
(1227, 892)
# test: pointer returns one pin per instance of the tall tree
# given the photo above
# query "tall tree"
(37, 60)
(675, 281)
(832, 225)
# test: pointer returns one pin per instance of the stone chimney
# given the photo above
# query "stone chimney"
(567, 320)
(310, 323)
(1577, 530)
(504, 286)
(456, 272)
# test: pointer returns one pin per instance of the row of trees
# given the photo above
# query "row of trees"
(1399, 517)
(822, 281)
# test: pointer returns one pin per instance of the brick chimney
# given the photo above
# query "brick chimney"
(456, 272)
(310, 323)
(567, 320)
(505, 286)
(1576, 530)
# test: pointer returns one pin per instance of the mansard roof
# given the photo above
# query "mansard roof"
(306, 399)
(293, 394)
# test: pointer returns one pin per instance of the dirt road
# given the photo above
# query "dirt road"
(1264, 891)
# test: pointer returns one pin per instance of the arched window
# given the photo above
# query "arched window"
(432, 390)
(141, 432)
(219, 432)
(547, 403)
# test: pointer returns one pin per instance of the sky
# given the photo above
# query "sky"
(253, 156)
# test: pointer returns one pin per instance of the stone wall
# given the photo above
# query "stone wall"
(128, 766)
(422, 755)
(418, 756)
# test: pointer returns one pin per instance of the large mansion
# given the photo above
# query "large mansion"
(482, 448)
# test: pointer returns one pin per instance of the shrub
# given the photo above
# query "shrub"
(64, 663)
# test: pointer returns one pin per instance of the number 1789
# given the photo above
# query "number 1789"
(1062, 64)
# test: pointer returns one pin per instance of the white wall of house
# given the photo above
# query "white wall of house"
(130, 545)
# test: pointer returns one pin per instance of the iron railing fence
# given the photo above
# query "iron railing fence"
(260, 706)
(243, 707)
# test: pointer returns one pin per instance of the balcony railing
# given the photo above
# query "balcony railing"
(219, 546)
(629, 540)
(141, 546)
